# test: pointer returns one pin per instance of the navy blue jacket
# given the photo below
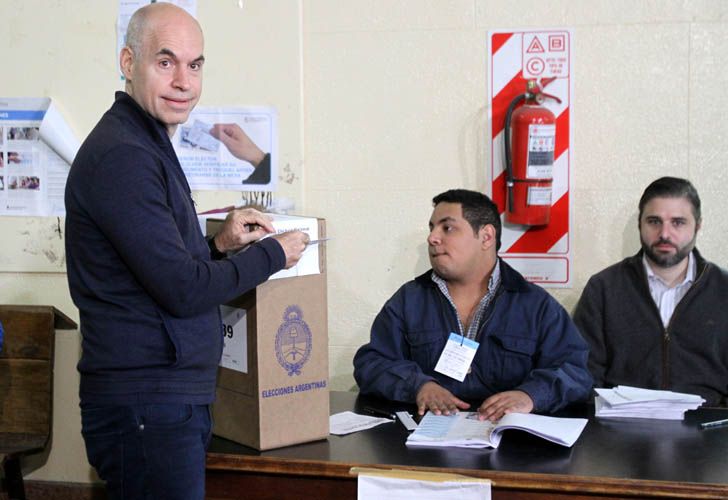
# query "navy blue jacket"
(139, 268)
(527, 342)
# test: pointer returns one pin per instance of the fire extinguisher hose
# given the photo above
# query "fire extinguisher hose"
(507, 140)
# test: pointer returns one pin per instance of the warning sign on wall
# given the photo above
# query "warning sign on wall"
(545, 55)
(541, 253)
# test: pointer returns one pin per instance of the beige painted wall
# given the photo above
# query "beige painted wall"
(395, 95)
(382, 106)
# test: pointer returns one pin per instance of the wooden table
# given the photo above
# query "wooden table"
(612, 459)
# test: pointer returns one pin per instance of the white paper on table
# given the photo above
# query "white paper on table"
(626, 396)
(374, 487)
(602, 409)
(637, 394)
(635, 402)
(56, 133)
(347, 422)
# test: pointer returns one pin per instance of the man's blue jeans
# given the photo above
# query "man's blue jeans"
(152, 451)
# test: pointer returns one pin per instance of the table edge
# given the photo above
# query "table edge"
(222, 462)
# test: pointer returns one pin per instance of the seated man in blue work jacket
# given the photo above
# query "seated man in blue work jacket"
(472, 328)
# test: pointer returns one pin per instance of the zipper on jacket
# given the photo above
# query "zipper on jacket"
(665, 383)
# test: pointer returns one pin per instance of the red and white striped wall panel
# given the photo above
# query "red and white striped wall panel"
(541, 253)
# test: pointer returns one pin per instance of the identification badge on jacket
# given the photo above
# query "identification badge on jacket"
(456, 357)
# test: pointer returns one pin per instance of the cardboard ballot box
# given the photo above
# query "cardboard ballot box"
(272, 387)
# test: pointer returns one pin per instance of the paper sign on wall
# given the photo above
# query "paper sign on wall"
(214, 148)
(36, 150)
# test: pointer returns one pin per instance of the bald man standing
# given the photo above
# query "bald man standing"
(146, 282)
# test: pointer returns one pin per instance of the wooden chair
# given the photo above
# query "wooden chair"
(26, 385)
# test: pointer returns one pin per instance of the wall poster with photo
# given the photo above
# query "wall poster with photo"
(233, 149)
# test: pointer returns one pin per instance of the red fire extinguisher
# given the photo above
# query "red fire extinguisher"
(531, 129)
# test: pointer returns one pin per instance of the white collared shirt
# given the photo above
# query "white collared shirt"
(665, 297)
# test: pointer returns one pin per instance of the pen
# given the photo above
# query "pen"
(381, 413)
(715, 423)
(320, 240)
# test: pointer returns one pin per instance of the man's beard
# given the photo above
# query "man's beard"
(667, 260)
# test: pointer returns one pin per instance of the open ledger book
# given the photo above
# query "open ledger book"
(466, 431)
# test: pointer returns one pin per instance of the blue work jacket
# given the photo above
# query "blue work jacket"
(526, 341)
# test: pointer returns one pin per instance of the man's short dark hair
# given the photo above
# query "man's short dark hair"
(478, 209)
(672, 187)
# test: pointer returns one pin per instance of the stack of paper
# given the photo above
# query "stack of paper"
(626, 401)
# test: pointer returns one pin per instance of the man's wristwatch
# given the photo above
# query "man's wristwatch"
(214, 252)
